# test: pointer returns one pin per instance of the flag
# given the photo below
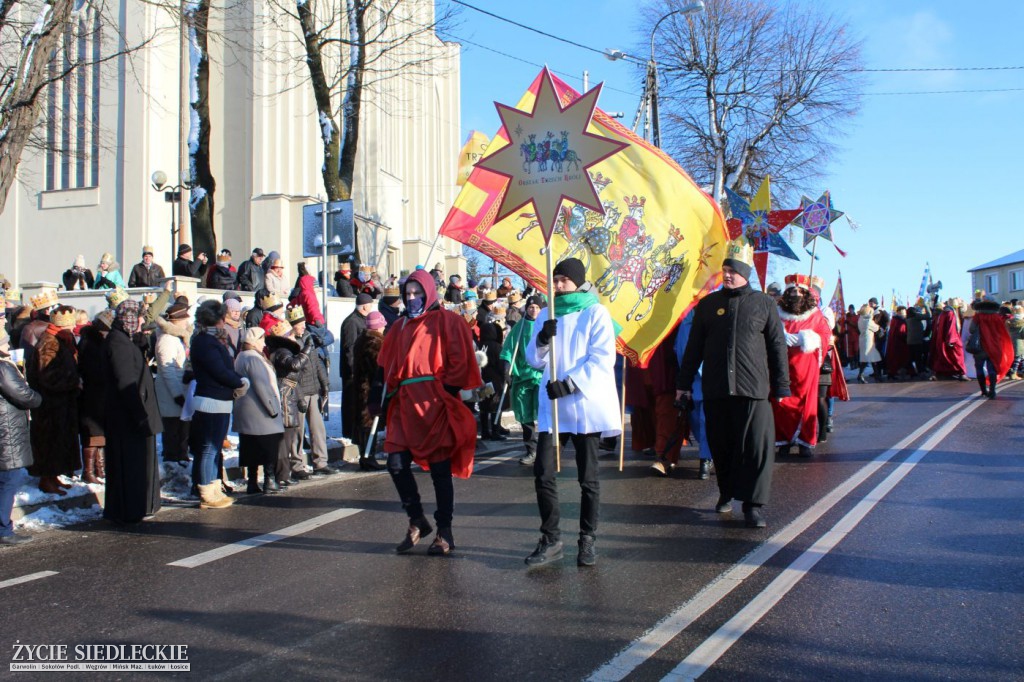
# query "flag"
(656, 250)
(925, 279)
(472, 151)
(838, 304)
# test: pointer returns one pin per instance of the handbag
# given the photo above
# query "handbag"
(973, 342)
(826, 363)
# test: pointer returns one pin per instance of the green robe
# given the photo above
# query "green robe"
(525, 379)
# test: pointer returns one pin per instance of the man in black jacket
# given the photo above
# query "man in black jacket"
(147, 273)
(184, 266)
(351, 329)
(313, 390)
(738, 337)
(250, 273)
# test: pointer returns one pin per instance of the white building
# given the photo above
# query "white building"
(119, 122)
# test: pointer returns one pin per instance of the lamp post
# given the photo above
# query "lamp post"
(649, 100)
(172, 195)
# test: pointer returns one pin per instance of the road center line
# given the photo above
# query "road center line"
(633, 656)
(260, 540)
(715, 646)
(26, 578)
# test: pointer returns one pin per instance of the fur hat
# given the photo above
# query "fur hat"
(295, 314)
(375, 320)
(573, 269)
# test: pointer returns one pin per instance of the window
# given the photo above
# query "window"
(992, 283)
(73, 106)
(1016, 280)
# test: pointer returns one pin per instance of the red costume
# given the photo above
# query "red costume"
(897, 353)
(796, 416)
(651, 392)
(838, 388)
(420, 357)
(307, 299)
(947, 347)
(995, 340)
(852, 338)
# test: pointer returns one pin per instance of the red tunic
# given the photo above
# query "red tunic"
(423, 417)
(995, 340)
(947, 347)
(838, 388)
(897, 354)
(796, 416)
(852, 337)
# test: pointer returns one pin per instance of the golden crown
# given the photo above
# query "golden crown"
(105, 317)
(282, 328)
(392, 291)
(296, 314)
(44, 299)
(116, 297)
(740, 250)
(269, 301)
(66, 316)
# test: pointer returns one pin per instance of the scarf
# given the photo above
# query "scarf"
(414, 306)
(575, 301)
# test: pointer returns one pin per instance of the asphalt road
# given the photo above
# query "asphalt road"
(896, 553)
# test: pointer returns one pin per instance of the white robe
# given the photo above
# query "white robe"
(585, 352)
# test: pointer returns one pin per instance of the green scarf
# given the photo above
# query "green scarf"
(575, 301)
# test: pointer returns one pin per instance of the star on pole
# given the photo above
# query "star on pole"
(548, 156)
(817, 217)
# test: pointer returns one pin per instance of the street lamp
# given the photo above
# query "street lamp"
(649, 99)
(172, 195)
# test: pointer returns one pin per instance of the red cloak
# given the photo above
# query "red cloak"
(436, 349)
(897, 354)
(852, 337)
(838, 388)
(796, 416)
(995, 340)
(947, 347)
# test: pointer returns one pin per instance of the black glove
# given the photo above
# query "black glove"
(454, 390)
(560, 389)
(549, 329)
(685, 402)
(179, 400)
(508, 371)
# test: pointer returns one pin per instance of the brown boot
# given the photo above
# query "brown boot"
(101, 463)
(50, 484)
(89, 465)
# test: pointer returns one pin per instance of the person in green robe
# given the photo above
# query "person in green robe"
(525, 380)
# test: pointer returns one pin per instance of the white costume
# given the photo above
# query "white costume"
(585, 352)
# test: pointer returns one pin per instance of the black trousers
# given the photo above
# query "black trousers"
(400, 468)
(530, 437)
(918, 357)
(546, 485)
(741, 435)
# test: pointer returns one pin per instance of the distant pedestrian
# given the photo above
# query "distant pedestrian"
(16, 398)
(343, 281)
(364, 377)
(185, 266)
(947, 351)
(146, 273)
(274, 278)
(304, 295)
(257, 415)
(92, 400)
(990, 345)
(1015, 326)
(223, 274)
(352, 327)
(525, 379)
(78, 277)
(108, 274)
(869, 353)
(250, 273)
(172, 338)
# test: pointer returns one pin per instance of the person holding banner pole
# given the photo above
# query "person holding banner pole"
(524, 379)
(578, 390)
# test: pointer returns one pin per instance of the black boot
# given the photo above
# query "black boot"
(253, 487)
(270, 486)
(443, 543)
(369, 463)
(705, 470)
(984, 386)
(992, 388)
(418, 529)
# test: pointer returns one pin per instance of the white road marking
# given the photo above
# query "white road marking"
(260, 540)
(633, 656)
(491, 461)
(26, 578)
(715, 646)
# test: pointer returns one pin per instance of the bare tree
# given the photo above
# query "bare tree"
(203, 185)
(752, 88)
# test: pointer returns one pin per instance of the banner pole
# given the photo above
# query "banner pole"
(553, 363)
(504, 389)
(622, 438)
(814, 250)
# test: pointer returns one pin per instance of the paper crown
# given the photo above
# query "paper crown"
(295, 314)
(468, 305)
(116, 297)
(818, 283)
(514, 297)
(223, 258)
(797, 280)
(44, 299)
(105, 318)
(740, 250)
(392, 291)
(365, 268)
(490, 295)
(147, 249)
(282, 328)
(64, 316)
(270, 302)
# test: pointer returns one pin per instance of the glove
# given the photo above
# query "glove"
(179, 400)
(560, 389)
(684, 401)
(549, 329)
(241, 391)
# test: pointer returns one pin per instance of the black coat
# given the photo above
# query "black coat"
(222, 278)
(738, 336)
(183, 267)
(343, 287)
(92, 399)
(351, 329)
(83, 279)
(16, 397)
(145, 277)
(490, 343)
(313, 379)
(213, 368)
(288, 365)
(250, 276)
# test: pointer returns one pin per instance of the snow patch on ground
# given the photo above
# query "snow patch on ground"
(55, 517)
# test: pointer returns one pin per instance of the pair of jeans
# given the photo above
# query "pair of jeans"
(209, 430)
(400, 468)
(8, 489)
(546, 485)
(981, 364)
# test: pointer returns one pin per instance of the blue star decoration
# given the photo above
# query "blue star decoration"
(817, 217)
(760, 227)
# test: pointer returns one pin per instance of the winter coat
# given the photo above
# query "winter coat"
(390, 313)
(343, 286)
(918, 321)
(738, 336)
(1016, 329)
(213, 368)
(53, 372)
(80, 279)
(288, 364)
(111, 279)
(16, 397)
(141, 276)
(170, 368)
(258, 412)
(490, 343)
(867, 328)
(222, 277)
(250, 276)
(367, 348)
(275, 285)
(188, 267)
(453, 294)
(305, 295)
(93, 398)
(351, 329)
(313, 379)
(513, 315)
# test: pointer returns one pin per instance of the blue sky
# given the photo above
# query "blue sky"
(926, 177)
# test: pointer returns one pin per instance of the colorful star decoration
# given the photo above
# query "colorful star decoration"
(761, 226)
(817, 217)
(548, 155)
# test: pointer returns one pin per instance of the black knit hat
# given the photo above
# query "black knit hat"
(536, 300)
(183, 249)
(574, 269)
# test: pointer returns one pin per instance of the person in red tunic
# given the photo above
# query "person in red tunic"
(897, 353)
(428, 357)
(807, 334)
(947, 346)
(852, 338)
(990, 344)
